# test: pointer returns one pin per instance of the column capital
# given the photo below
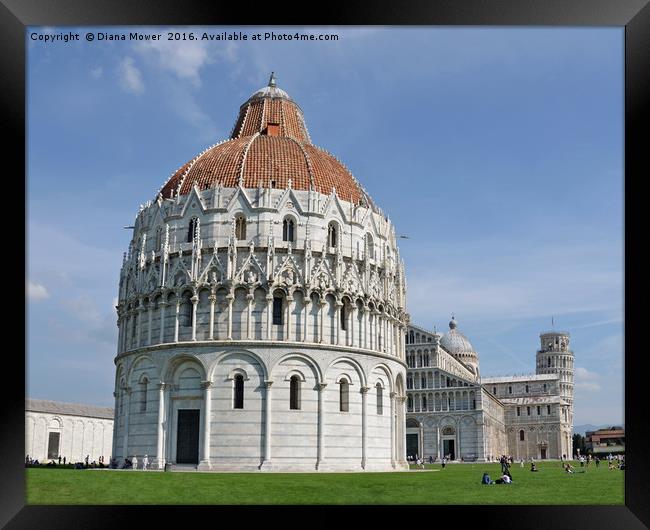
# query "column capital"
(205, 385)
(268, 383)
(392, 395)
(364, 389)
(230, 297)
(306, 301)
(212, 298)
(321, 386)
(194, 299)
(269, 297)
(250, 297)
(163, 386)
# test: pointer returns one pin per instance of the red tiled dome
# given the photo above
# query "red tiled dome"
(269, 145)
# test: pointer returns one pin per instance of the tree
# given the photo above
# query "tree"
(578, 443)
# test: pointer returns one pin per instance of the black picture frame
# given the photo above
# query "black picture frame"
(633, 15)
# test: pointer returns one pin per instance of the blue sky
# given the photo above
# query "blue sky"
(498, 151)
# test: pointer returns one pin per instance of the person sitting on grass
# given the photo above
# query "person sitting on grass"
(486, 479)
(505, 479)
(568, 468)
(533, 467)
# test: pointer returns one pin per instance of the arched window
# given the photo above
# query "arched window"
(344, 395)
(380, 399)
(185, 313)
(143, 386)
(424, 403)
(521, 435)
(526, 389)
(548, 362)
(288, 229)
(238, 401)
(411, 337)
(277, 311)
(191, 229)
(409, 403)
(344, 317)
(294, 393)
(240, 228)
(332, 235)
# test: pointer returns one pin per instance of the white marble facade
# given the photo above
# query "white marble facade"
(224, 287)
(453, 412)
(73, 431)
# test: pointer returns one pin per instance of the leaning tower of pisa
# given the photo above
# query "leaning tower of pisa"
(556, 357)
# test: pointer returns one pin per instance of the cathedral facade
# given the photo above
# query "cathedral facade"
(261, 311)
(455, 413)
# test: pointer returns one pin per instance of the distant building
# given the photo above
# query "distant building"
(452, 411)
(69, 430)
(605, 441)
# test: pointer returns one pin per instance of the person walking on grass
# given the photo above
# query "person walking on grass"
(134, 462)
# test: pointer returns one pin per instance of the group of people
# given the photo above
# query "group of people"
(62, 460)
(133, 463)
(506, 478)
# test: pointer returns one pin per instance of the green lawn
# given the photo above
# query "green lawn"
(457, 484)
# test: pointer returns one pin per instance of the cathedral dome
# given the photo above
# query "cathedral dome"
(269, 148)
(455, 342)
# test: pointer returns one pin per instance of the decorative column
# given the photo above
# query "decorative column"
(195, 303)
(141, 310)
(458, 453)
(249, 319)
(393, 423)
(207, 414)
(366, 317)
(163, 305)
(161, 425)
(230, 297)
(421, 448)
(321, 330)
(337, 321)
(364, 425)
(150, 310)
(287, 335)
(113, 444)
(305, 334)
(125, 443)
(176, 323)
(212, 298)
(400, 434)
(269, 316)
(438, 442)
(267, 426)
(320, 459)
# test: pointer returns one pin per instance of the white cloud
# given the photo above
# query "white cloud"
(586, 380)
(36, 291)
(130, 77)
(182, 59)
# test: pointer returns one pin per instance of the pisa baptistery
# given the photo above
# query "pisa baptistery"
(261, 311)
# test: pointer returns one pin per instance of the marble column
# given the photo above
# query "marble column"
(267, 425)
(364, 426)
(366, 318)
(269, 316)
(161, 425)
(176, 323)
(393, 423)
(337, 321)
(231, 299)
(150, 310)
(305, 323)
(287, 335)
(195, 303)
(126, 414)
(212, 298)
(321, 312)
(249, 317)
(163, 305)
(207, 415)
(320, 458)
